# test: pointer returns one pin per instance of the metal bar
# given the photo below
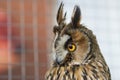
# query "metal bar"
(9, 40)
(35, 40)
(22, 25)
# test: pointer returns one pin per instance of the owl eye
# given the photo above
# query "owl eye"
(71, 47)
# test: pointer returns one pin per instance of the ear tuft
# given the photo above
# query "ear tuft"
(76, 16)
(60, 14)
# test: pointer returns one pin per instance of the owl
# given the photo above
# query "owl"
(77, 55)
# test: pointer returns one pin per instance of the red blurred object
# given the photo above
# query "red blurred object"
(4, 52)
(3, 16)
(4, 44)
(3, 23)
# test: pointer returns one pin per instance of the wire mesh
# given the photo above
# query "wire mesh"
(23, 31)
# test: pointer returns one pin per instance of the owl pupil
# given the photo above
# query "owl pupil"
(70, 46)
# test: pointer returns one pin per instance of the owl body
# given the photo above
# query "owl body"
(76, 52)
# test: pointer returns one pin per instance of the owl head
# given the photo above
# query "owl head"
(73, 42)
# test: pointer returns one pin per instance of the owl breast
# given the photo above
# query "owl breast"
(92, 71)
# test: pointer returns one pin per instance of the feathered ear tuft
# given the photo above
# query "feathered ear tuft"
(76, 16)
(60, 16)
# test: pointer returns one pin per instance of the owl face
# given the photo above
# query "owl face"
(71, 43)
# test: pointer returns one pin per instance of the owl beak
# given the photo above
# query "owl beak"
(59, 58)
(57, 61)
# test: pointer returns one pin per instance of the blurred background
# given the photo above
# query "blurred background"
(26, 34)
(23, 38)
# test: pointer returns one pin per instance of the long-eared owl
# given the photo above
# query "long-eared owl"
(76, 51)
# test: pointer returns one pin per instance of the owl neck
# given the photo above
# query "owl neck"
(74, 63)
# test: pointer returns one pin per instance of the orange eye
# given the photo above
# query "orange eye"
(71, 47)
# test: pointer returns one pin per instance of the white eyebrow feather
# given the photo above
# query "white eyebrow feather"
(59, 52)
(63, 39)
(53, 49)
